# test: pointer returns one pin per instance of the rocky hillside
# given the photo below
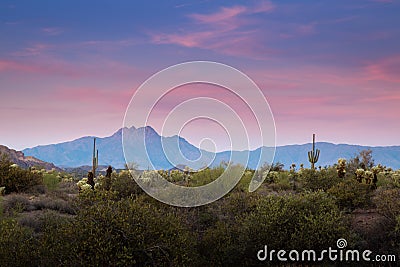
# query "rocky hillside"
(23, 161)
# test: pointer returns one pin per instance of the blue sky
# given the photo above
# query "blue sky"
(69, 68)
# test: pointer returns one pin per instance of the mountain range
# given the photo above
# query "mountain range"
(79, 152)
(23, 161)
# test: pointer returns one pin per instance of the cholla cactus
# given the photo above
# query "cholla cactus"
(368, 177)
(395, 178)
(86, 187)
(272, 176)
(149, 177)
(341, 168)
(360, 175)
(376, 170)
(293, 167)
(82, 183)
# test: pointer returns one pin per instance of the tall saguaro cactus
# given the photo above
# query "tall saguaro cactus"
(95, 158)
(313, 155)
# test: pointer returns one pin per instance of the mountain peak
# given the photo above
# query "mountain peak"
(78, 152)
(148, 130)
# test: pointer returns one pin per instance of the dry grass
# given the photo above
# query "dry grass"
(16, 203)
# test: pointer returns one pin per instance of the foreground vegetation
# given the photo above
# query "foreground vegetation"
(49, 218)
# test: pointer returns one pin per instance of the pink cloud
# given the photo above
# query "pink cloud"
(227, 14)
(223, 15)
(52, 66)
(34, 50)
(386, 69)
(306, 29)
(188, 40)
(99, 99)
(8, 65)
(263, 6)
(223, 32)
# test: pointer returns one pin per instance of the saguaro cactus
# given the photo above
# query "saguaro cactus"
(313, 155)
(95, 158)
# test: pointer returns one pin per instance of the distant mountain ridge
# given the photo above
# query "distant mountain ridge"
(79, 152)
(23, 161)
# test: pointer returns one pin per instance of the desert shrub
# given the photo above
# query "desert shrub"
(39, 220)
(350, 194)
(318, 180)
(126, 232)
(222, 241)
(387, 202)
(220, 246)
(1, 207)
(389, 179)
(282, 181)
(67, 187)
(244, 182)
(384, 180)
(237, 203)
(16, 244)
(301, 221)
(54, 204)
(205, 176)
(124, 185)
(15, 179)
(36, 190)
(16, 203)
(51, 180)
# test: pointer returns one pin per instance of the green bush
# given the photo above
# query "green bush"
(319, 180)
(387, 202)
(301, 221)
(15, 179)
(120, 233)
(281, 181)
(16, 244)
(122, 184)
(220, 246)
(350, 194)
(51, 180)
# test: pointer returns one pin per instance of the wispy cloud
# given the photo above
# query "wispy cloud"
(222, 31)
(228, 14)
(386, 69)
(57, 67)
(223, 16)
(52, 31)
(32, 50)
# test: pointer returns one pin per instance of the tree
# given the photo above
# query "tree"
(363, 160)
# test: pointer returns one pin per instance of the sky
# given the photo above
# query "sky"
(69, 68)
